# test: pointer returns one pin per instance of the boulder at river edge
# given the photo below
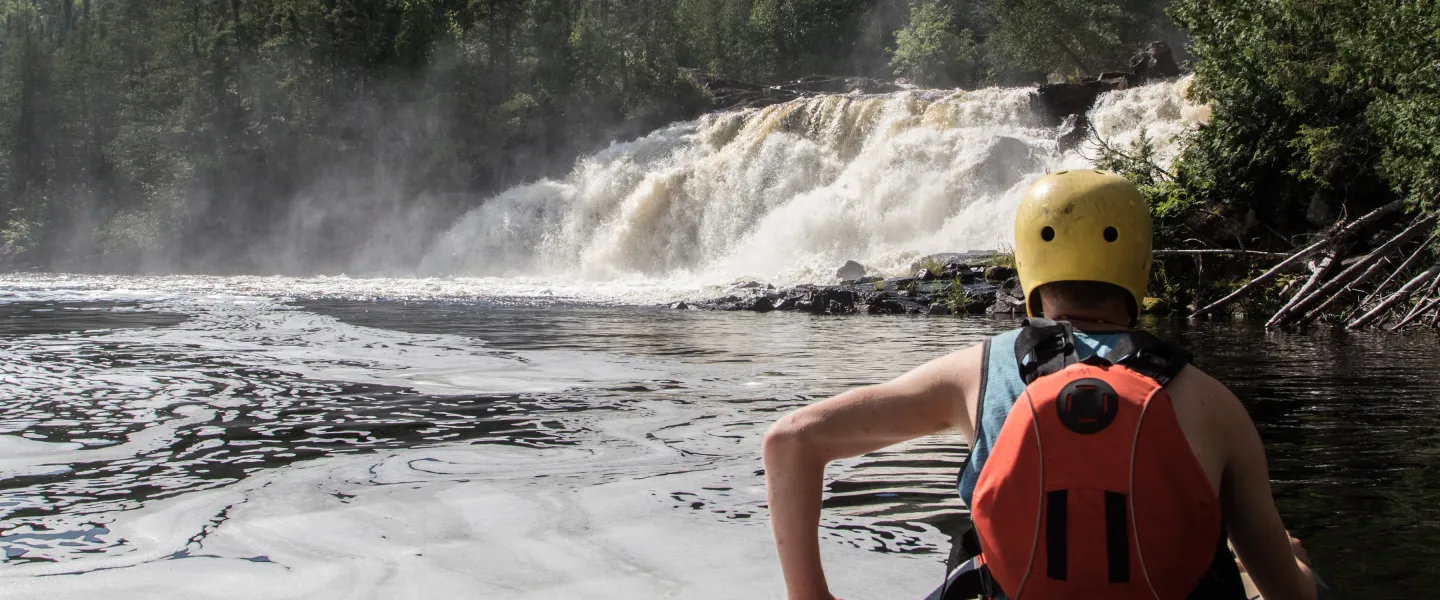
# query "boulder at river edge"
(851, 270)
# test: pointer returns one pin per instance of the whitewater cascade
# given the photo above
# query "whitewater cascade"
(787, 193)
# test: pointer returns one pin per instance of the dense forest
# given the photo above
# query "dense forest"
(282, 135)
(237, 135)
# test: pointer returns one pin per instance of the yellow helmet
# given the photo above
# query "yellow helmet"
(1083, 225)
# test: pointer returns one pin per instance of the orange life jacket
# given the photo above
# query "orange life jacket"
(1091, 489)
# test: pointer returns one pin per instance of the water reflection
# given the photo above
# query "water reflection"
(1351, 425)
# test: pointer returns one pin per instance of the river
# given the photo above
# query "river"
(220, 438)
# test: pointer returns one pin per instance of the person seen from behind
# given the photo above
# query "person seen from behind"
(1102, 464)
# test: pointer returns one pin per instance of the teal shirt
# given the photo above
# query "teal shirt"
(1001, 386)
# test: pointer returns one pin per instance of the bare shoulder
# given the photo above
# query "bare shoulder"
(1196, 387)
(954, 377)
(1209, 414)
(959, 369)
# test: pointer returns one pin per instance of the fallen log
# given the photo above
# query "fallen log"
(1319, 271)
(1300, 255)
(1399, 296)
(1364, 277)
(1420, 309)
(1380, 289)
(1424, 299)
(1373, 257)
(1222, 252)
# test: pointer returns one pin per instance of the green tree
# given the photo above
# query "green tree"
(1066, 36)
(930, 51)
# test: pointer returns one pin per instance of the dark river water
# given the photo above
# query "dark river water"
(114, 410)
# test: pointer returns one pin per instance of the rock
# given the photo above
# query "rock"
(679, 305)
(1009, 300)
(925, 275)
(1003, 163)
(1073, 131)
(1060, 100)
(869, 279)
(748, 287)
(965, 273)
(999, 273)
(763, 304)
(885, 306)
(912, 307)
(951, 258)
(1065, 104)
(851, 270)
(1156, 61)
(827, 300)
(937, 309)
(899, 283)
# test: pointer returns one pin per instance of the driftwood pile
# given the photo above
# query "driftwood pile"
(1336, 281)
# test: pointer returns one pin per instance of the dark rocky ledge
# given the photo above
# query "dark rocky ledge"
(942, 284)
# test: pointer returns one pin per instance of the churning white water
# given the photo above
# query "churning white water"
(787, 193)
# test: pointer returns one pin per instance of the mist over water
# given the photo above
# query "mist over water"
(787, 193)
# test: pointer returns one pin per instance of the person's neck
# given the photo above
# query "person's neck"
(1091, 323)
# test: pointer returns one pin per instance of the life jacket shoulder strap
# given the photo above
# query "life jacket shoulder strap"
(1044, 347)
(1147, 355)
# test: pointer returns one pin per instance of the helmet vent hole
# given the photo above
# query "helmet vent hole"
(1111, 235)
(1047, 234)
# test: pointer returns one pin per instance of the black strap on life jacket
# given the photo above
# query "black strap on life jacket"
(966, 584)
(1148, 356)
(1044, 347)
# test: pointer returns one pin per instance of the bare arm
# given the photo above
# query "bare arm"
(932, 398)
(1256, 531)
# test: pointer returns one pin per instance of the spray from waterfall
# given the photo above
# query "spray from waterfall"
(787, 193)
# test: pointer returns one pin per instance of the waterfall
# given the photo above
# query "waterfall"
(787, 193)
